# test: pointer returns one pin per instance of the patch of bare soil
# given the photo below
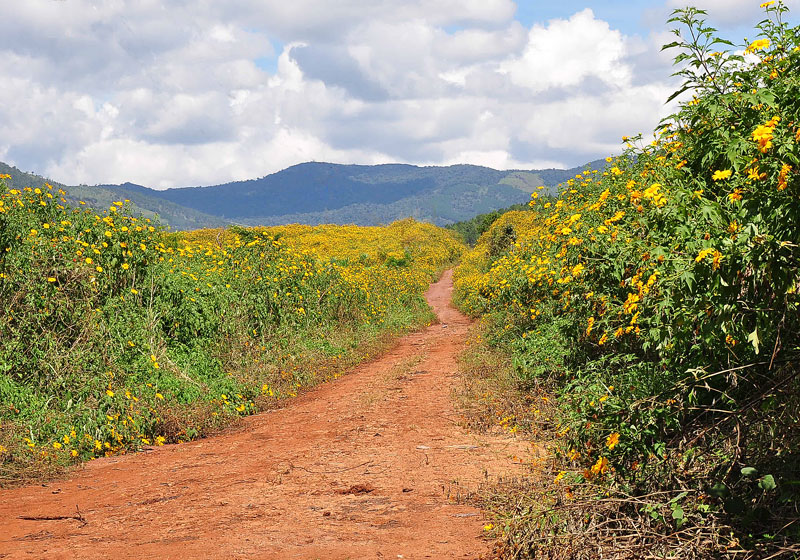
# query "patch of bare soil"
(367, 466)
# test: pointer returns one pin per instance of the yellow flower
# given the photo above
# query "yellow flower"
(716, 260)
(109, 392)
(573, 454)
(51, 279)
(782, 176)
(735, 196)
(721, 175)
(757, 45)
(766, 4)
(703, 254)
(631, 303)
(600, 467)
(612, 440)
(764, 132)
(753, 174)
(56, 445)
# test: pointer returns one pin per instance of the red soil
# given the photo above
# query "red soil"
(366, 466)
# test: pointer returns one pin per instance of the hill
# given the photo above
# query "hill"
(315, 193)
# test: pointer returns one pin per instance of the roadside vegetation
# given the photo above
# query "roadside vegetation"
(472, 229)
(115, 334)
(657, 303)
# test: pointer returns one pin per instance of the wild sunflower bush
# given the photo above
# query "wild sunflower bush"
(659, 299)
(116, 334)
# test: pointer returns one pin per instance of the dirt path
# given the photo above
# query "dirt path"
(363, 467)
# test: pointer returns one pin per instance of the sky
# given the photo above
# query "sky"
(171, 93)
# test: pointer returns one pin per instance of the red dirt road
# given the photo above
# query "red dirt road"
(358, 468)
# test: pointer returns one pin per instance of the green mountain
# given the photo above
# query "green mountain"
(315, 193)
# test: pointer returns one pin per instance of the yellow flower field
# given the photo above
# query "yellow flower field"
(115, 334)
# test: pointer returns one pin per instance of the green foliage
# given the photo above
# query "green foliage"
(673, 276)
(542, 353)
(470, 230)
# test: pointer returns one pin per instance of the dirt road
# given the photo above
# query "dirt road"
(362, 467)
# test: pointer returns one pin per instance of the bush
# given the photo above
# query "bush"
(673, 276)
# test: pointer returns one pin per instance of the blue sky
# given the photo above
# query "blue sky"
(632, 17)
(625, 15)
(180, 94)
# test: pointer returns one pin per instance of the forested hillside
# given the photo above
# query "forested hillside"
(316, 193)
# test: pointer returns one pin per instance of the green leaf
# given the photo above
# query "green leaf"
(767, 482)
(749, 471)
(678, 497)
(718, 41)
(688, 278)
(677, 514)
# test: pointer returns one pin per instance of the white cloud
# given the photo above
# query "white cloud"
(177, 94)
(567, 51)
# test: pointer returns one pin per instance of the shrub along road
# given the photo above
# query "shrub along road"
(367, 466)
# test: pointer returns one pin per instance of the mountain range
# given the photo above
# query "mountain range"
(314, 193)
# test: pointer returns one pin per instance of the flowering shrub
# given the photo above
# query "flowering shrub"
(671, 278)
